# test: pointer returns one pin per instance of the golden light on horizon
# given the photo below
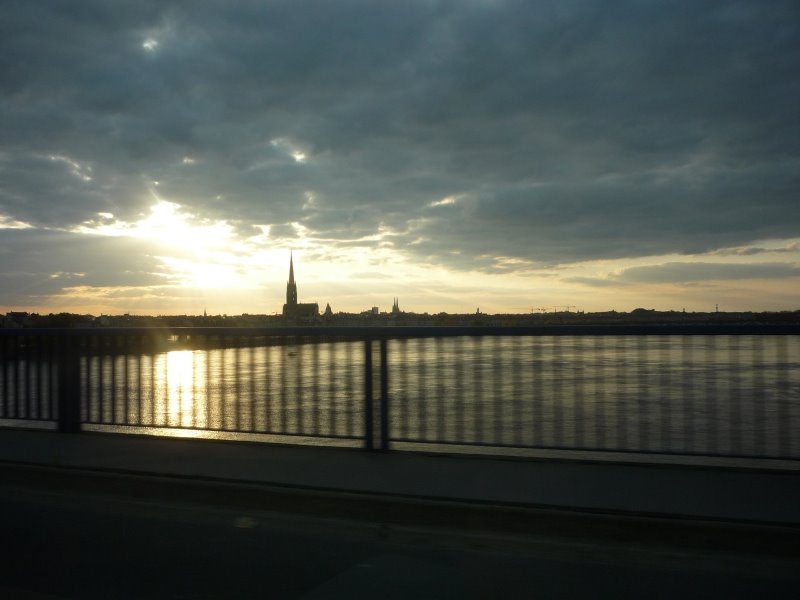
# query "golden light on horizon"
(203, 263)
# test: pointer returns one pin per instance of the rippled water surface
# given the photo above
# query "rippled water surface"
(736, 395)
(707, 394)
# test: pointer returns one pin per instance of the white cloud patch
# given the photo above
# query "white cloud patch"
(291, 148)
(447, 201)
(81, 171)
(7, 222)
(780, 247)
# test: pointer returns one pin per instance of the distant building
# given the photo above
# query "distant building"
(15, 320)
(328, 311)
(396, 307)
(292, 308)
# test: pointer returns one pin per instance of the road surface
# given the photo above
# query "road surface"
(67, 542)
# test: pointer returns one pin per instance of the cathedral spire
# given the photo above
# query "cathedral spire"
(291, 286)
(304, 313)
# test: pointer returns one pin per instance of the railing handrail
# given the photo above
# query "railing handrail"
(363, 332)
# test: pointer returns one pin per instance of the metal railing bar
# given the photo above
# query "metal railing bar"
(315, 401)
(759, 400)
(369, 442)
(557, 399)
(783, 410)
(439, 400)
(384, 396)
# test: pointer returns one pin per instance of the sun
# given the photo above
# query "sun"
(167, 223)
(196, 252)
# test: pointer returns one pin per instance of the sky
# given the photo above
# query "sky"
(163, 157)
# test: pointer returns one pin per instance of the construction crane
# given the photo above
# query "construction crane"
(564, 306)
(531, 308)
(522, 308)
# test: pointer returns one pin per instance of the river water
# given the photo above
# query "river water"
(730, 395)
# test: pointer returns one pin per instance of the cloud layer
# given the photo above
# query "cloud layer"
(473, 135)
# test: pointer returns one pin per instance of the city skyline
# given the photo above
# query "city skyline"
(500, 155)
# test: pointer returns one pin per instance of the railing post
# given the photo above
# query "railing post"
(384, 399)
(69, 378)
(368, 399)
(382, 441)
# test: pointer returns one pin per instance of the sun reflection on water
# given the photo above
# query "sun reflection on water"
(179, 383)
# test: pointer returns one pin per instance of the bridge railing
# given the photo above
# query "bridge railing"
(689, 390)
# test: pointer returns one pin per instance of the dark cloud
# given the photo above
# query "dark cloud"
(751, 250)
(687, 273)
(568, 130)
(39, 263)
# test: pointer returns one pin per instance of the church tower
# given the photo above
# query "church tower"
(291, 286)
(294, 309)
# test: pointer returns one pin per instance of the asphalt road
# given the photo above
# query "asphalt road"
(69, 543)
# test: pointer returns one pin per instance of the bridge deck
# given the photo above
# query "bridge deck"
(738, 492)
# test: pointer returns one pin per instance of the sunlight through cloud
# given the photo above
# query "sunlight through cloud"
(445, 201)
(80, 171)
(7, 222)
(291, 148)
(167, 223)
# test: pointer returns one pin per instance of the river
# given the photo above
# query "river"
(736, 395)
